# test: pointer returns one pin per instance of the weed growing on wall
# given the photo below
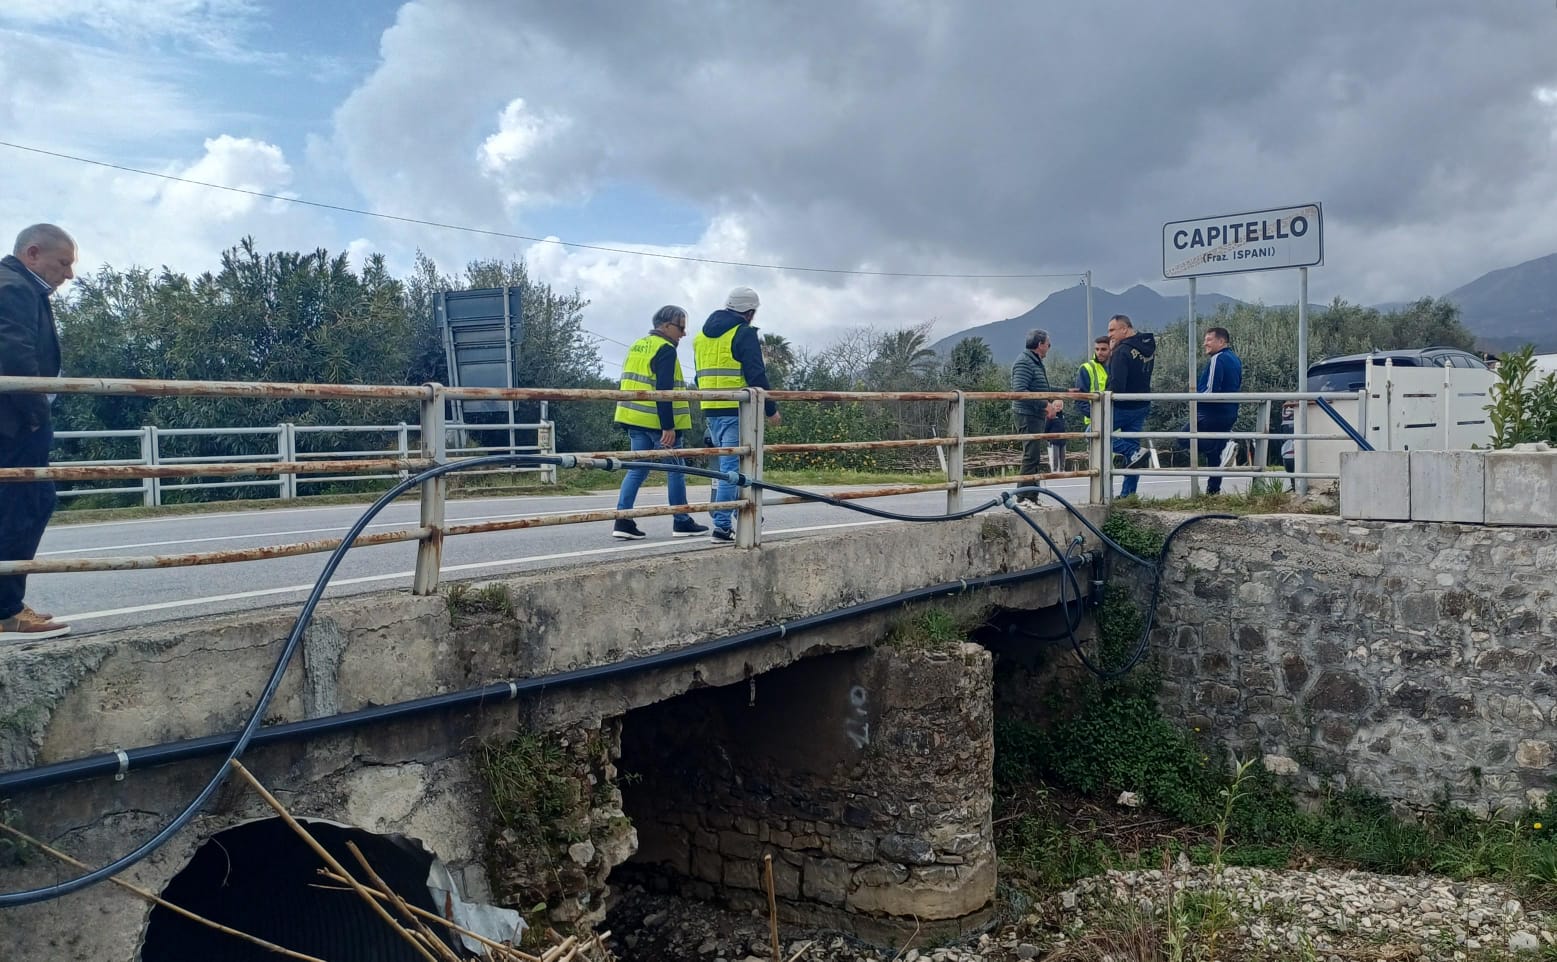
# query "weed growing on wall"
(533, 788)
(466, 603)
(1135, 533)
(13, 851)
(941, 628)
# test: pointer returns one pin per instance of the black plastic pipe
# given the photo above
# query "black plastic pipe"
(111, 763)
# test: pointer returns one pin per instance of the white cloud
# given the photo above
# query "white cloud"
(69, 95)
(503, 154)
(127, 219)
(1010, 140)
(214, 27)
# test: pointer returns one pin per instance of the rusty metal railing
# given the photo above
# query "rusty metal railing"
(431, 429)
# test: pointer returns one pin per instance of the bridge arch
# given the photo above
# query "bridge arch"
(261, 878)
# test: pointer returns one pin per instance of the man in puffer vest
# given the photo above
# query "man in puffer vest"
(652, 365)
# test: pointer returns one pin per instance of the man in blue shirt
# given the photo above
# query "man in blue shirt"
(1223, 374)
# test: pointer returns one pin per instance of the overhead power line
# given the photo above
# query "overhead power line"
(511, 236)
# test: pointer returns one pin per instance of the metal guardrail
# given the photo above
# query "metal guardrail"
(1194, 436)
(290, 467)
(153, 452)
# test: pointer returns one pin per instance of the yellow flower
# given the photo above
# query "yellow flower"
(1537, 826)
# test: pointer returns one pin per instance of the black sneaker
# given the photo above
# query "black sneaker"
(722, 536)
(1140, 455)
(687, 529)
(627, 530)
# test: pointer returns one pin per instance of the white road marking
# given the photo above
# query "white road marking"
(198, 516)
(403, 575)
(338, 529)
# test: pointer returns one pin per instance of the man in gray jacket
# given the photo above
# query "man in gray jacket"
(1032, 414)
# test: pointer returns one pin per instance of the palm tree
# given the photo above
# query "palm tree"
(904, 357)
(779, 357)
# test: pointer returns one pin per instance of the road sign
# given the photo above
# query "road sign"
(481, 331)
(1262, 240)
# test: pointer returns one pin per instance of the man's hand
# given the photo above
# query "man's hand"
(667, 439)
(775, 419)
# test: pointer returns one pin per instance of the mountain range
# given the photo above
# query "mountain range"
(1505, 309)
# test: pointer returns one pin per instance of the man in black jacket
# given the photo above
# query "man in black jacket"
(1130, 361)
(44, 258)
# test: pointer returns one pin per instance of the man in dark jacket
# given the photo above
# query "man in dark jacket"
(1223, 374)
(1032, 414)
(1130, 361)
(729, 357)
(44, 258)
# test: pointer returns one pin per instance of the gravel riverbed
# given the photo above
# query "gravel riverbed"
(1325, 915)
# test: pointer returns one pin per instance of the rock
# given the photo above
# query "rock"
(582, 853)
(1523, 942)
(1280, 765)
(1130, 800)
(1026, 950)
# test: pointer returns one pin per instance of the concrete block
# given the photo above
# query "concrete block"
(1376, 485)
(1448, 486)
(1521, 487)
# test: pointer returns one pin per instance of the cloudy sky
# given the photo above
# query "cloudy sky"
(1008, 137)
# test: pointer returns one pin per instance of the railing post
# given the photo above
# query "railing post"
(1097, 454)
(148, 458)
(546, 440)
(1106, 465)
(403, 436)
(956, 427)
(1262, 446)
(434, 445)
(1194, 442)
(748, 521)
(286, 450)
(1362, 413)
(154, 458)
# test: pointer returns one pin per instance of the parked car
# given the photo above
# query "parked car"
(1347, 373)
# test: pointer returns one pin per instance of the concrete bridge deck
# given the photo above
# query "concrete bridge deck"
(66, 698)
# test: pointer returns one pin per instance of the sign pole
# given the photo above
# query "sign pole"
(1086, 350)
(1300, 423)
(1194, 444)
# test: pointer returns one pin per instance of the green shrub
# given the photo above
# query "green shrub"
(1523, 408)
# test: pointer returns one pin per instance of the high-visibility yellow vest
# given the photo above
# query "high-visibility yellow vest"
(638, 375)
(1097, 378)
(717, 368)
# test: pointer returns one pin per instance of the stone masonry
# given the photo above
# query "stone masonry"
(1403, 658)
(868, 782)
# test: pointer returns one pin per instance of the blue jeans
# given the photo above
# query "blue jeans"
(1127, 420)
(725, 431)
(25, 508)
(643, 439)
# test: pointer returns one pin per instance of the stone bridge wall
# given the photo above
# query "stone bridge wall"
(1403, 658)
(877, 815)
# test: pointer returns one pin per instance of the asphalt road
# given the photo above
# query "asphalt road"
(96, 601)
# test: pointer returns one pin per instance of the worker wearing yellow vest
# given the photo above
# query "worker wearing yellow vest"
(1092, 376)
(652, 365)
(729, 357)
